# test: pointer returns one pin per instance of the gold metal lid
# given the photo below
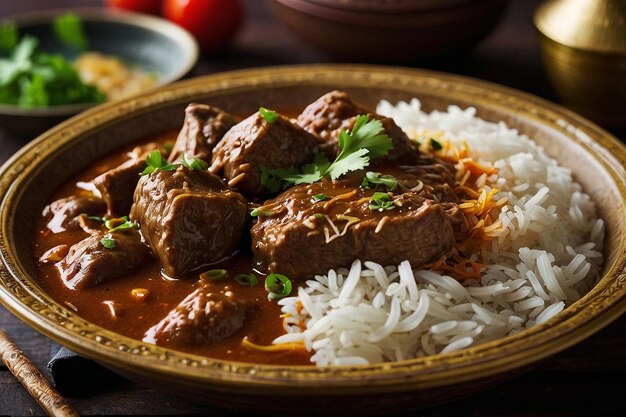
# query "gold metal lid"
(591, 25)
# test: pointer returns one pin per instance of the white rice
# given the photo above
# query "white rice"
(547, 256)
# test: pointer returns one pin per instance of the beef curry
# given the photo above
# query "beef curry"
(187, 240)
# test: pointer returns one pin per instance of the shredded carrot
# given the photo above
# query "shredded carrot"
(477, 204)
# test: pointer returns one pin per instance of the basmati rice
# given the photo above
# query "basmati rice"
(547, 253)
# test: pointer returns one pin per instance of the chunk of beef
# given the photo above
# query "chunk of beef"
(202, 318)
(88, 263)
(335, 111)
(255, 143)
(117, 185)
(303, 238)
(203, 128)
(189, 218)
(63, 213)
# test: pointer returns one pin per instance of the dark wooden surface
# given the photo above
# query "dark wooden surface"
(587, 380)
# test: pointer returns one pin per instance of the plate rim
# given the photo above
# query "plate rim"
(426, 372)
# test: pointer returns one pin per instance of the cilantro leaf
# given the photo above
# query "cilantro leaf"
(156, 162)
(69, 29)
(354, 161)
(381, 201)
(195, 164)
(366, 140)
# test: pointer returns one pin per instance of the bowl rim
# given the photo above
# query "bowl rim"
(180, 35)
(603, 304)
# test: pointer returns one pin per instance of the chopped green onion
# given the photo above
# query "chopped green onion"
(269, 115)
(120, 223)
(247, 279)
(381, 201)
(259, 212)
(319, 216)
(108, 242)
(435, 145)
(115, 222)
(94, 218)
(278, 286)
(213, 275)
(376, 178)
(319, 197)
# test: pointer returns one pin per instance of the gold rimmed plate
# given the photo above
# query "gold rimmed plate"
(28, 179)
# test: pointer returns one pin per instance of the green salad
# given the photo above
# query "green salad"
(31, 78)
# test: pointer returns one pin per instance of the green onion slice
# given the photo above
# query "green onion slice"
(278, 286)
(319, 197)
(213, 275)
(269, 115)
(247, 279)
(108, 242)
(259, 212)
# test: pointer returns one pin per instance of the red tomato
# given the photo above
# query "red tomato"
(139, 6)
(214, 23)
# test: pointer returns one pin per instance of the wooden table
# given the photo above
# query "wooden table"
(587, 380)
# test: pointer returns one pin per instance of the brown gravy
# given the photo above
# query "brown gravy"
(132, 317)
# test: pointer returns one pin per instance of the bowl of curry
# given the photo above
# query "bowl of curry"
(158, 237)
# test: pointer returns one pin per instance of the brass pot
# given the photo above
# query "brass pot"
(583, 46)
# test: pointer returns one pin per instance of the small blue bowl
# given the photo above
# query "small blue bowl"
(149, 43)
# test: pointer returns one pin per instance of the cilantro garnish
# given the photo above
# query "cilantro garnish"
(366, 140)
(156, 162)
(381, 201)
(270, 116)
(195, 164)
(31, 78)
(108, 242)
(69, 29)
(376, 178)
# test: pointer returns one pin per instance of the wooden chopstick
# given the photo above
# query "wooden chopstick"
(35, 383)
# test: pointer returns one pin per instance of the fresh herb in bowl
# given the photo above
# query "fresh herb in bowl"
(31, 78)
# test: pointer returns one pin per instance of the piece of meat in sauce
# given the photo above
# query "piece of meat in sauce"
(89, 263)
(256, 143)
(63, 214)
(203, 128)
(189, 218)
(303, 238)
(326, 117)
(202, 318)
(117, 185)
